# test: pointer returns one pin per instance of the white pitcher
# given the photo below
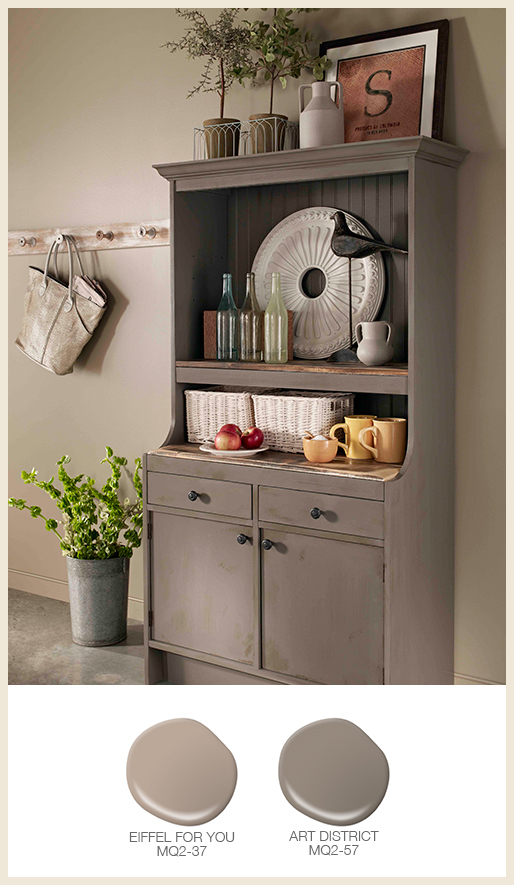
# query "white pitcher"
(321, 122)
(374, 343)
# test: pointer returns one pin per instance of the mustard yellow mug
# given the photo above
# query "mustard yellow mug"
(353, 426)
(389, 440)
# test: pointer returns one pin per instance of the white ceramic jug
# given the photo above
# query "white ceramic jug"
(374, 343)
(321, 122)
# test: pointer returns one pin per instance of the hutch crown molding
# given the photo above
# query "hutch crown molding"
(272, 570)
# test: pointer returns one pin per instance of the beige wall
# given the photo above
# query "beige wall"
(94, 102)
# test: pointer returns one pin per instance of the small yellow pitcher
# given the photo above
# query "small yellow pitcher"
(353, 425)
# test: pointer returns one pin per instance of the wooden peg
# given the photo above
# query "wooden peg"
(149, 232)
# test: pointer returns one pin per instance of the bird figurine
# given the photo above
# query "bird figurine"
(347, 244)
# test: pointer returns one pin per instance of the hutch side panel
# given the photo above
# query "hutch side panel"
(420, 504)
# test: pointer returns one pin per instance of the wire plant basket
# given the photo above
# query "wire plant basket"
(239, 138)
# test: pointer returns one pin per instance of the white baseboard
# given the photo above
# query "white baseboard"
(464, 679)
(53, 588)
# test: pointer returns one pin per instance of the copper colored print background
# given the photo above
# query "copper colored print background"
(405, 85)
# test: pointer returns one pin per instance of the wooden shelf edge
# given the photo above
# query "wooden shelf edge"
(314, 366)
(341, 467)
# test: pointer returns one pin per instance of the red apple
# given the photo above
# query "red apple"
(227, 441)
(230, 428)
(252, 438)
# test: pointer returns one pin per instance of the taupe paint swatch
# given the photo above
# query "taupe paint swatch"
(333, 772)
(181, 772)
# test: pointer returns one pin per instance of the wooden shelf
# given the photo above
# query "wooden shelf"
(297, 375)
(341, 466)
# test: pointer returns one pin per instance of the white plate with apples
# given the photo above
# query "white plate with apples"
(230, 441)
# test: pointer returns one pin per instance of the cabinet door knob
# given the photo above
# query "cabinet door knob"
(267, 544)
(242, 539)
(193, 496)
(315, 513)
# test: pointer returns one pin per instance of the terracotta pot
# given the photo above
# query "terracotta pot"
(268, 132)
(222, 137)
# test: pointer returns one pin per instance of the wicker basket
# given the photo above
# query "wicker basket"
(284, 418)
(209, 409)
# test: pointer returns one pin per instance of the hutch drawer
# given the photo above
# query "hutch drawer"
(200, 495)
(334, 513)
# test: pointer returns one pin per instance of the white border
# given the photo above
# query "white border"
(428, 39)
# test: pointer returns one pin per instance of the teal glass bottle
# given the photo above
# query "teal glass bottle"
(275, 325)
(227, 336)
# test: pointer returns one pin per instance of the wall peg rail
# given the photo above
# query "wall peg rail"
(123, 235)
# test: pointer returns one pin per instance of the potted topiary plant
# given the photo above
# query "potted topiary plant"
(226, 48)
(97, 557)
(280, 50)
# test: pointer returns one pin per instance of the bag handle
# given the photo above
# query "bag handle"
(59, 242)
(68, 304)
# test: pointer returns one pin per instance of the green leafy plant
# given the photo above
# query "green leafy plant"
(223, 44)
(92, 519)
(280, 50)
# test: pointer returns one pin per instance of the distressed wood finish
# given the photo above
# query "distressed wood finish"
(225, 498)
(126, 235)
(248, 375)
(349, 516)
(322, 609)
(327, 609)
(203, 602)
(370, 474)
(300, 366)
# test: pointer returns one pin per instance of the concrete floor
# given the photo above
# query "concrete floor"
(42, 652)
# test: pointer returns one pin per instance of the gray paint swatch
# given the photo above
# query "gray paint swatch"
(333, 772)
(181, 772)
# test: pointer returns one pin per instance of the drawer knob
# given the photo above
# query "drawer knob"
(267, 544)
(315, 513)
(192, 496)
(242, 539)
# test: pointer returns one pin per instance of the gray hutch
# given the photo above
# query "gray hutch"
(271, 570)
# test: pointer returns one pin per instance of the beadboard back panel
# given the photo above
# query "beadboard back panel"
(380, 201)
(228, 227)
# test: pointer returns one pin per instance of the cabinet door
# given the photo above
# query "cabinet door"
(322, 604)
(202, 586)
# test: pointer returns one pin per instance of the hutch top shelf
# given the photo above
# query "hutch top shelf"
(334, 161)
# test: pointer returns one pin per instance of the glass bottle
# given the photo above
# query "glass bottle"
(250, 325)
(275, 325)
(226, 324)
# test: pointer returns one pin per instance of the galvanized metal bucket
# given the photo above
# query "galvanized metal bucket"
(98, 600)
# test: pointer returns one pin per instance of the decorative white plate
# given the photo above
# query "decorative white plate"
(300, 243)
(233, 453)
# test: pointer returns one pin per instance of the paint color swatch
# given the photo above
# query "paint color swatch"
(181, 772)
(333, 772)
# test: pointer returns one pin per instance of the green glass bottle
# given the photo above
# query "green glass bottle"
(227, 338)
(250, 325)
(275, 325)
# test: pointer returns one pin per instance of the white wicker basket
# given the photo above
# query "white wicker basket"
(284, 418)
(209, 409)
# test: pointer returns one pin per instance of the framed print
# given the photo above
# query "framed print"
(392, 81)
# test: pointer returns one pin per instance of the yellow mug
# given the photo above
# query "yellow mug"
(353, 426)
(390, 437)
